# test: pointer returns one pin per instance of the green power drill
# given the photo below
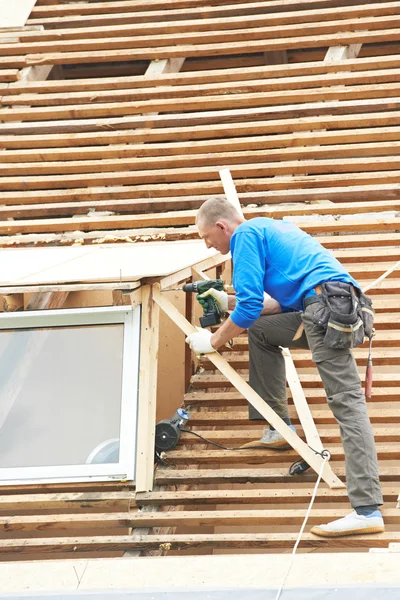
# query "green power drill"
(212, 312)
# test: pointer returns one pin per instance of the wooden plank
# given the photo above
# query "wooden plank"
(147, 391)
(203, 398)
(47, 300)
(342, 52)
(213, 124)
(208, 49)
(320, 415)
(65, 502)
(325, 84)
(248, 474)
(218, 31)
(243, 517)
(73, 287)
(184, 274)
(60, 488)
(382, 379)
(389, 150)
(303, 360)
(384, 195)
(223, 457)
(296, 74)
(8, 75)
(12, 302)
(377, 138)
(169, 233)
(69, 209)
(62, 523)
(137, 26)
(179, 218)
(252, 396)
(60, 10)
(237, 438)
(277, 495)
(202, 180)
(208, 102)
(42, 547)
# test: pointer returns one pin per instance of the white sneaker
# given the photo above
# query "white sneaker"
(271, 439)
(352, 524)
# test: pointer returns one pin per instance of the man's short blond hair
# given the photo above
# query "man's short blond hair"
(214, 209)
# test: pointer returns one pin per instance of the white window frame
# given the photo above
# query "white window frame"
(125, 468)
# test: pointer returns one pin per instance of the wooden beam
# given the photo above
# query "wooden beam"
(195, 7)
(263, 456)
(280, 100)
(237, 437)
(235, 46)
(342, 52)
(47, 300)
(250, 474)
(320, 415)
(203, 398)
(12, 302)
(276, 494)
(81, 502)
(209, 124)
(221, 32)
(254, 15)
(149, 339)
(64, 523)
(25, 548)
(381, 378)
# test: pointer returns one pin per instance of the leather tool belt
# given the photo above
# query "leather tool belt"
(343, 312)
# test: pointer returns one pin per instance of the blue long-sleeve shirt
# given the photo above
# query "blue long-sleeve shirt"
(279, 258)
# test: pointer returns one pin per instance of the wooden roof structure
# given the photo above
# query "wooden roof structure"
(145, 102)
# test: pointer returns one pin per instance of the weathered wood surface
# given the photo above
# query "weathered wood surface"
(16, 549)
(88, 158)
(274, 495)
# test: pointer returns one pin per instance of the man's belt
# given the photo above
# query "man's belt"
(315, 298)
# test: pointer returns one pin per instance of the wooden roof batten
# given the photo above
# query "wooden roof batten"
(130, 158)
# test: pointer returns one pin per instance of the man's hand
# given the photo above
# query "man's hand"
(220, 297)
(200, 341)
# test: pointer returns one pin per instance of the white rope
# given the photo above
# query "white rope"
(382, 277)
(325, 458)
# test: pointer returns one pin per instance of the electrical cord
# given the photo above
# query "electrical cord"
(219, 445)
(297, 468)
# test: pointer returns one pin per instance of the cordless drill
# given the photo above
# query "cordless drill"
(212, 312)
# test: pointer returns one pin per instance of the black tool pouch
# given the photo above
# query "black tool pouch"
(340, 314)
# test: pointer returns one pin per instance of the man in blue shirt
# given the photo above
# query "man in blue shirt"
(277, 271)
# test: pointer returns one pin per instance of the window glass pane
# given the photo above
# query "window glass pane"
(60, 395)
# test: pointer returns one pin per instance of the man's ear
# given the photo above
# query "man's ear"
(221, 225)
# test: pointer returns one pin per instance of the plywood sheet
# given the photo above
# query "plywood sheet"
(15, 14)
(106, 263)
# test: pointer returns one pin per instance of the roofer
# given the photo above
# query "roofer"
(308, 286)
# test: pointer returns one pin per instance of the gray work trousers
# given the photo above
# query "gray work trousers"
(338, 371)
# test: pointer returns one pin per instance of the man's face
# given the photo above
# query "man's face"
(215, 236)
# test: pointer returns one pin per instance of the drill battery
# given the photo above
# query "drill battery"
(212, 312)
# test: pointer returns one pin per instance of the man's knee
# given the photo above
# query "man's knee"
(340, 377)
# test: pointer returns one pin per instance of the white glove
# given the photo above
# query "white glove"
(200, 342)
(220, 297)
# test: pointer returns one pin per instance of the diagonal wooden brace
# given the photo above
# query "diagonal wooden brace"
(314, 460)
(301, 404)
